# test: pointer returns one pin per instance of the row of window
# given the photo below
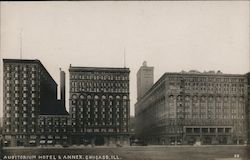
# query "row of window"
(110, 115)
(20, 67)
(8, 101)
(105, 90)
(208, 79)
(204, 98)
(74, 96)
(8, 122)
(95, 109)
(102, 123)
(17, 88)
(53, 123)
(99, 77)
(95, 84)
(16, 115)
(24, 130)
(96, 130)
(226, 85)
(18, 75)
(53, 130)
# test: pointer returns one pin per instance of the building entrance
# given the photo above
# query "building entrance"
(99, 141)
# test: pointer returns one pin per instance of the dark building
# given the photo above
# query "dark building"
(99, 105)
(189, 107)
(53, 129)
(28, 91)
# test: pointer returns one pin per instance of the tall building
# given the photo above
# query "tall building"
(99, 105)
(62, 87)
(192, 106)
(145, 79)
(28, 91)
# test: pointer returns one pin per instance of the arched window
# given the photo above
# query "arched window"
(96, 97)
(195, 98)
(89, 97)
(110, 97)
(74, 96)
(81, 96)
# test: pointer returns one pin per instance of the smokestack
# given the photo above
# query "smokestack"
(62, 87)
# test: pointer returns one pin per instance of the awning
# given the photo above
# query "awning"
(6, 142)
(49, 141)
(42, 142)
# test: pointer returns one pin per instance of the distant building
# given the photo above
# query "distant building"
(145, 79)
(1, 122)
(132, 125)
(191, 106)
(99, 105)
(28, 91)
(1, 126)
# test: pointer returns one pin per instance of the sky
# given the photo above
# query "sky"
(170, 35)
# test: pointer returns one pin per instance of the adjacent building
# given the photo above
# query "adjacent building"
(28, 91)
(189, 107)
(54, 129)
(248, 108)
(99, 105)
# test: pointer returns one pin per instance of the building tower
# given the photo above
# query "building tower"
(62, 88)
(145, 79)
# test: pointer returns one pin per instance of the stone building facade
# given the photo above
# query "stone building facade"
(189, 107)
(99, 105)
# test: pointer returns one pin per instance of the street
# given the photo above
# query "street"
(131, 153)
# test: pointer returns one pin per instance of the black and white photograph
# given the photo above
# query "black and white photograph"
(125, 80)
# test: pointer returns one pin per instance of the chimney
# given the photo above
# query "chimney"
(62, 87)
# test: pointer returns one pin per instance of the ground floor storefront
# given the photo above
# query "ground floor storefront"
(99, 140)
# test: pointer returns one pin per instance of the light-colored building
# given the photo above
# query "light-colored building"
(188, 107)
(145, 79)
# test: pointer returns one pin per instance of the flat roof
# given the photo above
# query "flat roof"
(97, 69)
(24, 61)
